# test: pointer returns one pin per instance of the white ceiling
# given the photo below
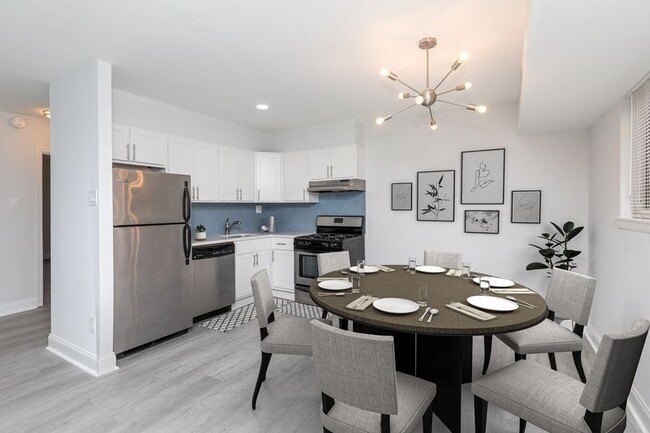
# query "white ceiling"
(317, 62)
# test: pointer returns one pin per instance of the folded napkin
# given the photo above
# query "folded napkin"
(361, 303)
(321, 279)
(385, 268)
(511, 291)
(454, 272)
(470, 311)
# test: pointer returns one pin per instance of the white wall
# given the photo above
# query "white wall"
(138, 111)
(19, 150)
(558, 164)
(618, 258)
(344, 133)
(82, 235)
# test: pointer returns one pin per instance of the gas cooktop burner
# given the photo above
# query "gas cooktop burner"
(327, 236)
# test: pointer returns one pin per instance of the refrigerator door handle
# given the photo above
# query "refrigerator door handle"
(187, 204)
(187, 242)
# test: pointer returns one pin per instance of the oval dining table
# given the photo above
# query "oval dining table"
(439, 351)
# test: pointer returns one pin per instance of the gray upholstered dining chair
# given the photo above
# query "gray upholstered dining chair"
(282, 334)
(558, 403)
(330, 262)
(569, 295)
(443, 259)
(360, 389)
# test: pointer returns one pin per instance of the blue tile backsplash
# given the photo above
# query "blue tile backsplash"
(289, 217)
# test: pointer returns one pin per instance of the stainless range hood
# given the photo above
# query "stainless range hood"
(336, 185)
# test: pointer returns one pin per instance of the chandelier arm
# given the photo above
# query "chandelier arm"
(403, 109)
(431, 113)
(452, 103)
(446, 91)
(415, 90)
(443, 79)
(427, 72)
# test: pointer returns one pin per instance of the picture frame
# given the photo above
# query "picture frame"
(483, 176)
(482, 221)
(436, 195)
(526, 206)
(401, 196)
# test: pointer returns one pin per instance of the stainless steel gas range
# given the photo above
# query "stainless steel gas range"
(333, 233)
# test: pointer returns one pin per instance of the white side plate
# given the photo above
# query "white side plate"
(396, 305)
(430, 269)
(497, 282)
(492, 303)
(368, 269)
(335, 285)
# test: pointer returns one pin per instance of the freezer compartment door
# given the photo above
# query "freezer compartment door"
(153, 284)
(148, 197)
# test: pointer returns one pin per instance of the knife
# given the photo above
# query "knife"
(482, 316)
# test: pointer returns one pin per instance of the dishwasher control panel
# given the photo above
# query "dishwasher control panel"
(212, 251)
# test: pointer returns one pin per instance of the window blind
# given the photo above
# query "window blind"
(640, 152)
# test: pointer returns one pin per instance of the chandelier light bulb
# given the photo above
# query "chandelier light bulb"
(463, 56)
(433, 125)
(380, 121)
(47, 113)
(384, 72)
(403, 95)
(481, 109)
(419, 100)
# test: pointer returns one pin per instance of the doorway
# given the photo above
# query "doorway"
(45, 228)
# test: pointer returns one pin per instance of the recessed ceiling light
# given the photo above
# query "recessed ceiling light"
(262, 107)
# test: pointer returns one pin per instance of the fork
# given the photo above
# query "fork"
(425, 313)
(433, 312)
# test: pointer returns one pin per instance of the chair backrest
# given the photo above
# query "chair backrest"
(354, 368)
(443, 259)
(570, 295)
(328, 262)
(613, 372)
(263, 295)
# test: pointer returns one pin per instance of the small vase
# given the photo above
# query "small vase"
(200, 236)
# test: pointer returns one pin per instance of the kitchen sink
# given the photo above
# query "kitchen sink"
(238, 235)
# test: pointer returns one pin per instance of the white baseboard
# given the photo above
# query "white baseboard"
(284, 294)
(636, 405)
(7, 308)
(81, 358)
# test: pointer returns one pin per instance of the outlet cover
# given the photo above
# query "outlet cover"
(14, 203)
(258, 208)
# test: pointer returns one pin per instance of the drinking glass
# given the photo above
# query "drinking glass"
(411, 265)
(361, 267)
(422, 294)
(355, 280)
(466, 274)
(484, 285)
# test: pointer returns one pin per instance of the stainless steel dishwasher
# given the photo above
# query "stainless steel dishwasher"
(213, 268)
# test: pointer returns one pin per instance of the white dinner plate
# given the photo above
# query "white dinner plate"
(497, 282)
(368, 269)
(395, 305)
(335, 285)
(430, 269)
(492, 303)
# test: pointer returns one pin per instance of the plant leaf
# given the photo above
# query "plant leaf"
(545, 235)
(558, 228)
(568, 226)
(536, 265)
(571, 253)
(547, 252)
(533, 245)
(573, 233)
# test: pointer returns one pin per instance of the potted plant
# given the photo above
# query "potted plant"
(200, 233)
(556, 251)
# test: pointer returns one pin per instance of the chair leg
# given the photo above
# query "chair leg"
(519, 357)
(480, 414)
(324, 315)
(487, 352)
(522, 425)
(427, 419)
(551, 358)
(577, 359)
(343, 323)
(261, 377)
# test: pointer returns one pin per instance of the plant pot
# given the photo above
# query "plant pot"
(200, 236)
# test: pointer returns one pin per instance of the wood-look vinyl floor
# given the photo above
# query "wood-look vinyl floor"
(199, 382)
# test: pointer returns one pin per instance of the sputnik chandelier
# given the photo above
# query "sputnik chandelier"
(428, 96)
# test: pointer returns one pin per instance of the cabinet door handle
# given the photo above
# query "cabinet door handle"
(193, 192)
(258, 195)
(273, 256)
(128, 152)
(198, 194)
(303, 194)
(134, 158)
(239, 194)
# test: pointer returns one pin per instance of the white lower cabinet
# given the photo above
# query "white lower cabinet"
(282, 265)
(251, 256)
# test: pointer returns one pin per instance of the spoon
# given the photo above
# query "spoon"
(433, 311)
(425, 313)
(345, 273)
(520, 302)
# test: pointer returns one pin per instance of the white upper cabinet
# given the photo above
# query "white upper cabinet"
(199, 160)
(236, 174)
(268, 177)
(336, 163)
(139, 146)
(296, 178)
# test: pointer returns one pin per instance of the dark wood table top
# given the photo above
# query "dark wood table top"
(442, 290)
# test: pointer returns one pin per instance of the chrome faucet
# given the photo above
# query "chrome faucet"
(229, 226)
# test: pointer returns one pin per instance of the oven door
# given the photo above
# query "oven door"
(305, 268)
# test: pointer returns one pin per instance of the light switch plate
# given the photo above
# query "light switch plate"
(92, 199)
(258, 208)
(14, 203)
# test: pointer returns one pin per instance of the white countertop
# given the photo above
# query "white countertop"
(219, 239)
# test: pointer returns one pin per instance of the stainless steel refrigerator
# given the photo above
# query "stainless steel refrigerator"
(151, 246)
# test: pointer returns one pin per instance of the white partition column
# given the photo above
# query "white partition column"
(81, 218)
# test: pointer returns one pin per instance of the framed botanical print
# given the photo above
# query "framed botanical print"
(526, 206)
(401, 196)
(482, 175)
(436, 195)
(482, 221)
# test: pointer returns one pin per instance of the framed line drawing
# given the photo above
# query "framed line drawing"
(436, 195)
(526, 206)
(401, 196)
(482, 174)
(482, 221)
